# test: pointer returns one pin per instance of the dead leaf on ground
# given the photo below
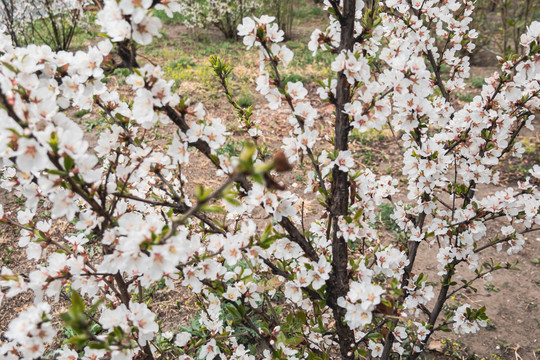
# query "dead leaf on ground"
(436, 345)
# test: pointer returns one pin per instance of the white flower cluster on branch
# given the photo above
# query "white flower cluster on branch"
(280, 286)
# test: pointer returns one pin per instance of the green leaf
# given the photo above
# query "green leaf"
(53, 142)
(10, 67)
(313, 356)
(68, 163)
(358, 214)
(444, 328)
(362, 352)
(231, 200)
(260, 33)
(266, 240)
(79, 340)
(258, 178)
(75, 318)
(201, 193)
(294, 341)
(212, 208)
(301, 316)
(264, 167)
(246, 157)
(233, 311)
(77, 302)
(98, 345)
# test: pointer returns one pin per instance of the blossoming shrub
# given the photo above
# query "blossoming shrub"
(52, 22)
(224, 14)
(284, 287)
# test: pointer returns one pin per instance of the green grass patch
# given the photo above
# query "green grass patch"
(307, 11)
(231, 148)
(465, 97)
(478, 82)
(245, 99)
(81, 113)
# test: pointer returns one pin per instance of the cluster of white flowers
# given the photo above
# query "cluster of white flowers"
(132, 19)
(463, 324)
(29, 333)
(265, 35)
(225, 14)
(26, 21)
(131, 200)
(361, 301)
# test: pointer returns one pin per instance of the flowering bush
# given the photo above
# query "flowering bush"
(284, 288)
(224, 14)
(52, 22)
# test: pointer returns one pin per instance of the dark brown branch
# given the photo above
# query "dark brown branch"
(299, 238)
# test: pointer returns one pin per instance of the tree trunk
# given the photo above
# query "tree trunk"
(127, 52)
(339, 204)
